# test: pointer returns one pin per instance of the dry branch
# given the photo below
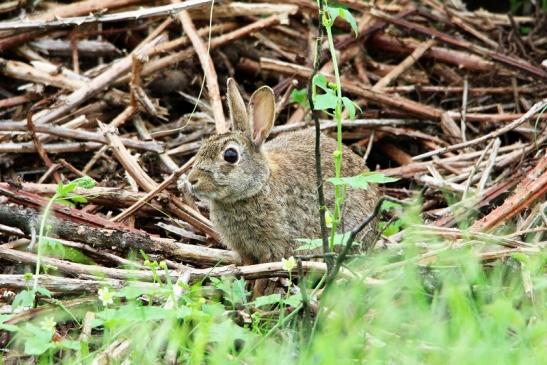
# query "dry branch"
(81, 135)
(266, 270)
(532, 188)
(115, 236)
(100, 18)
(498, 132)
(96, 85)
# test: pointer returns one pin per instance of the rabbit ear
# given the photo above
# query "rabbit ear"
(238, 111)
(262, 110)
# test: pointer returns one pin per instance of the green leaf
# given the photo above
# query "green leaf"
(333, 12)
(294, 300)
(299, 97)
(51, 243)
(234, 290)
(25, 298)
(69, 344)
(328, 100)
(44, 292)
(82, 182)
(130, 292)
(348, 17)
(77, 198)
(227, 332)
(337, 11)
(378, 178)
(267, 300)
(325, 101)
(63, 190)
(388, 205)
(7, 327)
(392, 228)
(96, 323)
(153, 313)
(66, 203)
(85, 182)
(311, 244)
(321, 81)
(37, 345)
(350, 107)
(361, 181)
(37, 340)
(184, 312)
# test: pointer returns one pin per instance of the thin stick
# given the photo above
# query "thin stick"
(464, 109)
(369, 146)
(315, 116)
(145, 199)
(490, 166)
(82, 135)
(475, 168)
(353, 234)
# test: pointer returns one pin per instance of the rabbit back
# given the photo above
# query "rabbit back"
(296, 153)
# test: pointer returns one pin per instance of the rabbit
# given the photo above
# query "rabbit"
(263, 195)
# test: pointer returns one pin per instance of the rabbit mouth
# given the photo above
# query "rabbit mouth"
(201, 191)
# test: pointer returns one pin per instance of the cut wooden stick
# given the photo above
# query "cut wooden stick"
(403, 66)
(462, 59)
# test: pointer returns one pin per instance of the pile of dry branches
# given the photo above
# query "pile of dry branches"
(451, 103)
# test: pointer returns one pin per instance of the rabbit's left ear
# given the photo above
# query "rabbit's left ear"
(238, 111)
(262, 114)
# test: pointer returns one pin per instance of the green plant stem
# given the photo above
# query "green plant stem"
(280, 323)
(338, 196)
(41, 233)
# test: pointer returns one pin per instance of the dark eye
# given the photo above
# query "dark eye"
(230, 155)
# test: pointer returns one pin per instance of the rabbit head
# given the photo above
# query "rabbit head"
(232, 166)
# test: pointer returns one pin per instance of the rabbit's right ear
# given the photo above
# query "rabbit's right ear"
(238, 110)
(262, 110)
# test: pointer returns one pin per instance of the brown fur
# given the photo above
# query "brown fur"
(267, 200)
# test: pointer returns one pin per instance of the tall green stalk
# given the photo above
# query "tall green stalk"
(41, 236)
(338, 195)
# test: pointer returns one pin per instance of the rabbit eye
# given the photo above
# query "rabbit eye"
(230, 155)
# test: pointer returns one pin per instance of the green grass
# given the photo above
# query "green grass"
(455, 310)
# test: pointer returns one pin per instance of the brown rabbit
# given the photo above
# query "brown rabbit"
(263, 196)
